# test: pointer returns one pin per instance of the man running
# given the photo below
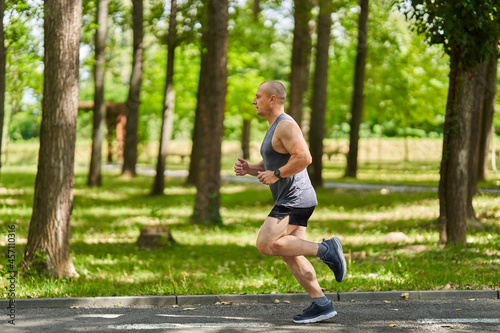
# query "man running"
(285, 157)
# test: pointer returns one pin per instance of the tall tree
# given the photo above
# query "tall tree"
(247, 121)
(48, 238)
(358, 95)
(300, 58)
(198, 142)
(99, 120)
(2, 75)
(488, 115)
(466, 29)
(133, 100)
(168, 104)
(207, 200)
(318, 103)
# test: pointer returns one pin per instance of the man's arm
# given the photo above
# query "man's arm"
(242, 168)
(288, 138)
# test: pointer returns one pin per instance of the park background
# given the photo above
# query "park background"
(391, 237)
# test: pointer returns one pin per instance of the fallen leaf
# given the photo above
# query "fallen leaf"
(459, 309)
(393, 325)
(276, 301)
(387, 302)
(405, 295)
(394, 309)
(287, 302)
(188, 309)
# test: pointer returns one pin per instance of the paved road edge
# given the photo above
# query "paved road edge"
(158, 301)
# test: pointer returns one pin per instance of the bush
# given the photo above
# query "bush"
(25, 126)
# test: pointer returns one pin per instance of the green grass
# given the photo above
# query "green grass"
(106, 223)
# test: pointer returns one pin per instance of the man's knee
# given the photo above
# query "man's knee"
(267, 248)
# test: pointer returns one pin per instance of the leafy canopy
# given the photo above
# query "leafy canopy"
(468, 27)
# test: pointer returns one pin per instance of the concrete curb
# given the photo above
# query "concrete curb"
(158, 301)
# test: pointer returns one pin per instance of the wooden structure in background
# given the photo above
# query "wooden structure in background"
(115, 123)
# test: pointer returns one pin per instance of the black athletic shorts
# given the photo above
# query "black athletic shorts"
(298, 216)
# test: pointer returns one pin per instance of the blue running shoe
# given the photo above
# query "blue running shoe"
(315, 313)
(334, 258)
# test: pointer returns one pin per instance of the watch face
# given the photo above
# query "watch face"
(277, 173)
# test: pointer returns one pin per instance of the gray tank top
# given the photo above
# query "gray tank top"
(294, 191)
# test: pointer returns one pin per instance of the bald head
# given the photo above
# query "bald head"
(275, 88)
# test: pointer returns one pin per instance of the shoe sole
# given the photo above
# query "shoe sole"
(318, 318)
(341, 256)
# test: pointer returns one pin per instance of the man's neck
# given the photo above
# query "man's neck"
(272, 118)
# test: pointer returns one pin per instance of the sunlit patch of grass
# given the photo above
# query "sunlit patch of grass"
(106, 223)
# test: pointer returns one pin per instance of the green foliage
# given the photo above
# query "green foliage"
(25, 126)
(470, 27)
(406, 81)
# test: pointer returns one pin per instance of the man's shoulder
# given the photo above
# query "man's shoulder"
(286, 125)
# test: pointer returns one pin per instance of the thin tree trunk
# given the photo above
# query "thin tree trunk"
(476, 126)
(493, 152)
(168, 104)
(318, 104)
(48, 238)
(488, 114)
(358, 95)
(256, 8)
(207, 200)
(197, 148)
(2, 76)
(455, 170)
(247, 122)
(300, 58)
(133, 100)
(99, 119)
(245, 138)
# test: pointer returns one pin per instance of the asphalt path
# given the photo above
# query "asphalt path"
(334, 185)
(465, 315)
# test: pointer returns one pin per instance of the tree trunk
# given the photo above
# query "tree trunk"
(207, 200)
(493, 152)
(256, 9)
(455, 170)
(197, 148)
(48, 238)
(318, 104)
(300, 58)
(94, 178)
(358, 96)
(2, 76)
(168, 104)
(247, 122)
(245, 138)
(133, 100)
(488, 114)
(477, 119)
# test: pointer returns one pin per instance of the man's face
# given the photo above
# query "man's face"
(261, 101)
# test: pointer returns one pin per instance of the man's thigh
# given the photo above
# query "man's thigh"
(274, 228)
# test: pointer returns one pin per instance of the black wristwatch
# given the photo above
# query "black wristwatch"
(277, 173)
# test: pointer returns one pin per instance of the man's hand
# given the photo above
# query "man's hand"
(241, 167)
(267, 177)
